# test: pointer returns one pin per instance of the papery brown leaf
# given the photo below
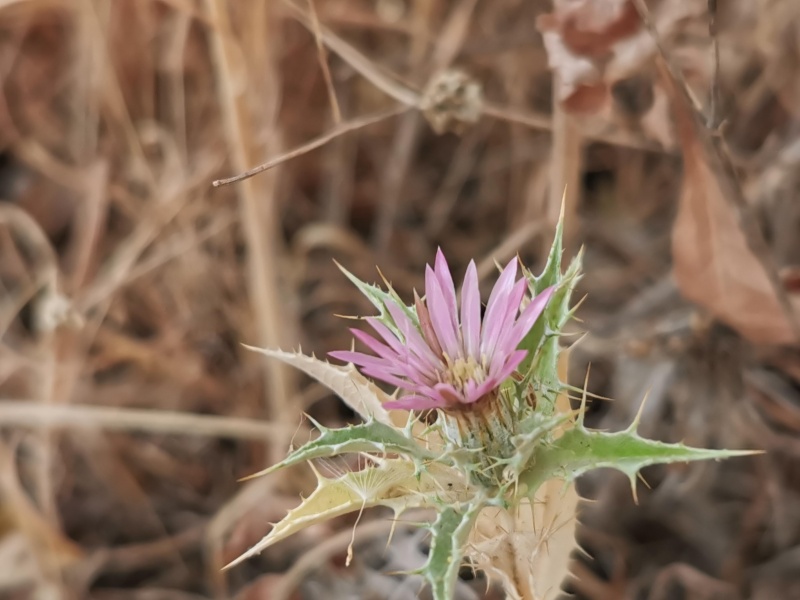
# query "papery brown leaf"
(579, 81)
(579, 36)
(790, 278)
(592, 27)
(594, 44)
(586, 98)
(528, 549)
(714, 265)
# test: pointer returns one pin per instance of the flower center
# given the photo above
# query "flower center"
(461, 370)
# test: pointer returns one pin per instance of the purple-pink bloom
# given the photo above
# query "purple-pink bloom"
(454, 357)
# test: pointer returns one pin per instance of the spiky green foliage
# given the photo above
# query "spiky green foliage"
(393, 483)
(580, 450)
(372, 436)
(360, 394)
(541, 364)
(379, 298)
(481, 468)
(449, 535)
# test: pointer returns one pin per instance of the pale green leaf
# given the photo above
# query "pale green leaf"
(379, 299)
(394, 483)
(551, 275)
(540, 366)
(580, 450)
(360, 394)
(448, 544)
(371, 436)
(535, 430)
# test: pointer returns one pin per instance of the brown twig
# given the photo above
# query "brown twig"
(257, 204)
(448, 44)
(322, 56)
(714, 120)
(566, 164)
(21, 413)
(341, 129)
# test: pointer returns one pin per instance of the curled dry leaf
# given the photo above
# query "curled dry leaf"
(713, 263)
(594, 44)
(360, 394)
(529, 550)
(592, 27)
(580, 82)
(579, 37)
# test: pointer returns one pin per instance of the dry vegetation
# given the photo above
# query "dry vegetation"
(128, 407)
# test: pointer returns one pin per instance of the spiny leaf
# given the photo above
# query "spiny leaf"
(541, 341)
(527, 546)
(540, 364)
(551, 275)
(536, 429)
(360, 394)
(450, 533)
(379, 299)
(394, 483)
(580, 450)
(371, 436)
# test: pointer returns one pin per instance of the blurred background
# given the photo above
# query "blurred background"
(128, 281)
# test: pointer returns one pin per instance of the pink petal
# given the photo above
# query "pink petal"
(435, 394)
(427, 327)
(472, 390)
(495, 379)
(471, 313)
(413, 402)
(510, 366)
(527, 319)
(419, 368)
(387, 376)
(504, 284)
(414, 340)
(477, 391)
(445, 279)
(359, 358)
(501, 319)
(395, 367)
(387, 335)
(377, 347)
(442, 320)
(449, 393)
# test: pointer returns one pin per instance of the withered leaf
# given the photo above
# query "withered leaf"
(579, 36)
(592, 27)
(714, 265)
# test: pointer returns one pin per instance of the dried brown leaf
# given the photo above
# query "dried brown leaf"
(592, 27)
(579, 81)
(579, 37)
(529, 551)
(713, 262)
(593, 44)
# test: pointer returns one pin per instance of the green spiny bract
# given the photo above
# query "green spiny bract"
(482, 462)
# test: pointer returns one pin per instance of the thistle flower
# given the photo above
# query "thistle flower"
(446, 361)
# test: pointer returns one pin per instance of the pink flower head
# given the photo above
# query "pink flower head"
(449, 361)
